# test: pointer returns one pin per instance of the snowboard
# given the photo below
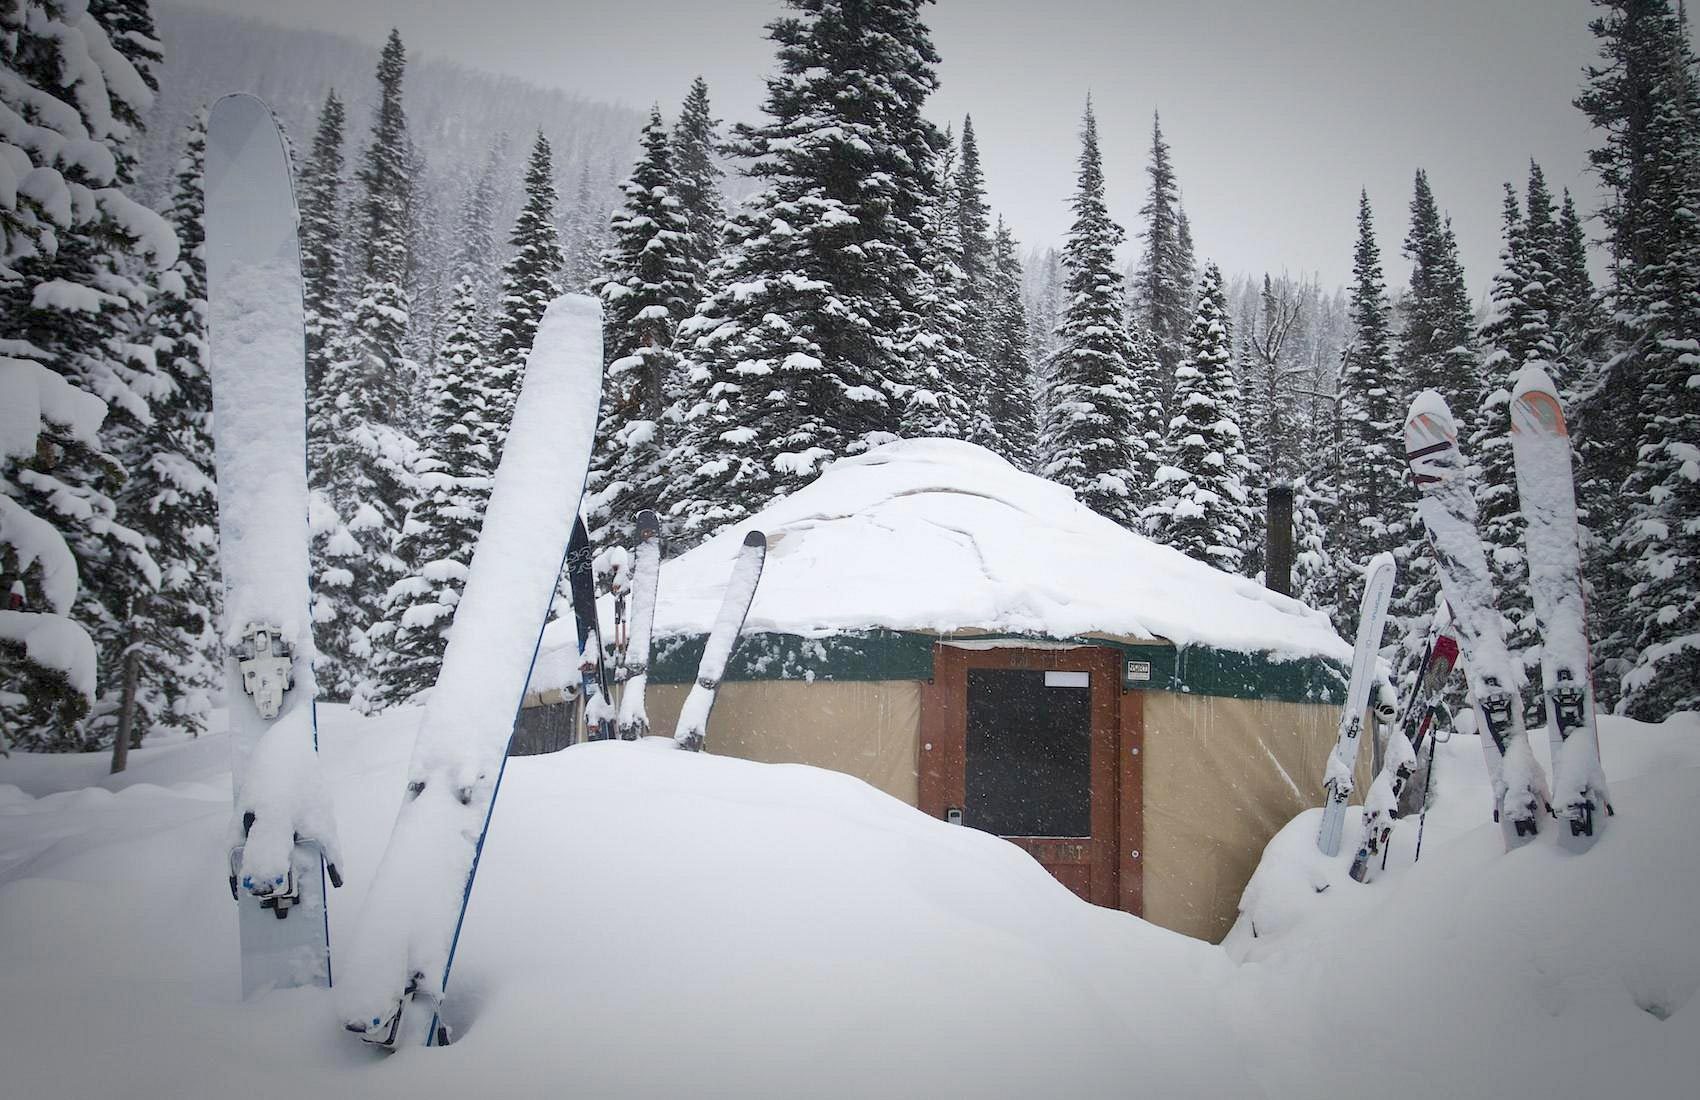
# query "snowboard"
(1540, 446)
(1447, 504)
(692, 729)
(282, 833)
(1342, 761)
(398, 970)
(1405, 746)
(633, 721)
(593, 669)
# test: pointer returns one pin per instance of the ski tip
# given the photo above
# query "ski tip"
(1429, 402)
(648, 524)
(755, 538)
(1381, 563)
(1533, 378)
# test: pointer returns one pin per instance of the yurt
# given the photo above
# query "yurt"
(970, 639)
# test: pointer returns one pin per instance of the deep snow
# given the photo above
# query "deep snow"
(656, 923)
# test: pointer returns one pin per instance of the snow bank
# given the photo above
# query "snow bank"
(940, 535)
(649, 922)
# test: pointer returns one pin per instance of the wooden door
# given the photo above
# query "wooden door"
(1024, 743)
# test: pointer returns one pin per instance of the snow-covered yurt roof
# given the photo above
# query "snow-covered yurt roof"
(941, 536)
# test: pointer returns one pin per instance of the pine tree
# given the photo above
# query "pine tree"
(476, 253)
(974, 243)
(585, 238)
(373, 382)
(797, 356)
(948, 393)
(321, 288)
(71, 301)
(455, 473)
(1372, 513)
(645, 289)
(1203, 509)
(696, 184)
(1011, 407)
(530, 281)
(165, 664)
(1095, 437)
(1642, 420)
(1162, 286)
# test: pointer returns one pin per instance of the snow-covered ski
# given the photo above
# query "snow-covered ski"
(1540, 445)
(633, 722)
(1342, 761)
(282, 830)
(393, 984)
(734, 607)
(1447, 505)
(593, 668)
(1405, 745)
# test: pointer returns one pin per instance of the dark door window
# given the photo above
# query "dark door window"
(1029, 759)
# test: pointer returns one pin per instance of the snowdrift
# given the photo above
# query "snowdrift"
(656, 923)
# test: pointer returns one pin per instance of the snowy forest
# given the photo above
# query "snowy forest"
(779, 293)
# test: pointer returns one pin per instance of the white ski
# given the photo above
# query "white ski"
(282, 830)
(1448, 508)
(1540, 445)
(407, 935)
(734, 608)
(633, 721)
(1337, 779)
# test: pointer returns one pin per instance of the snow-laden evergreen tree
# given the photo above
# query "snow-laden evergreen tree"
(696, 183)
(1580, 329)
(73, 248)
(1274, 371)
(973, 233)
(320, 203)
(1042, 297)
(585, 237)
(476, 252)
(798, 355)
(454, 471)
(648, 277)
(165, 661)
(1316, 569)
(948, 392)
(1098, 427)
(1373, 511)
(1202, 506)
(372, 380)
(1642, 418)
(1162, 285)
(1012, 410)
(530, 281)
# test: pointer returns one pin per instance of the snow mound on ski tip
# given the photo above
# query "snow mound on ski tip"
(939, 535)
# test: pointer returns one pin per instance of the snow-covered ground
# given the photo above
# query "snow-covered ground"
(655, 923)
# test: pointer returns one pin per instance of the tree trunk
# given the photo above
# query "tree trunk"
(127, 705)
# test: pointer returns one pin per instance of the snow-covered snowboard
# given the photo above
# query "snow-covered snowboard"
(734, 608)
(1540, 444)
(282, 831)
(634, 662)
(1447, 505)
(1405, 745)
(594, 695)
(1342, 761)
(393, 983)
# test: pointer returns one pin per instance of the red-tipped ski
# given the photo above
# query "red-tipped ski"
(1540, 445)
(1448, 507)
(734, 607)
(1337, 780)
(1404, 748)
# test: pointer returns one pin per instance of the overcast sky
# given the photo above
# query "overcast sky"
(1277, 111)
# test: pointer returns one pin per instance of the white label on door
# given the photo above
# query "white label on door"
(1068, 679)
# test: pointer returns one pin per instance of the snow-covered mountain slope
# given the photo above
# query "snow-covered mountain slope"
(655, 923)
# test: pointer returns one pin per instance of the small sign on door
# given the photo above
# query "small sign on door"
(1056, 679)
(1138, 670)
